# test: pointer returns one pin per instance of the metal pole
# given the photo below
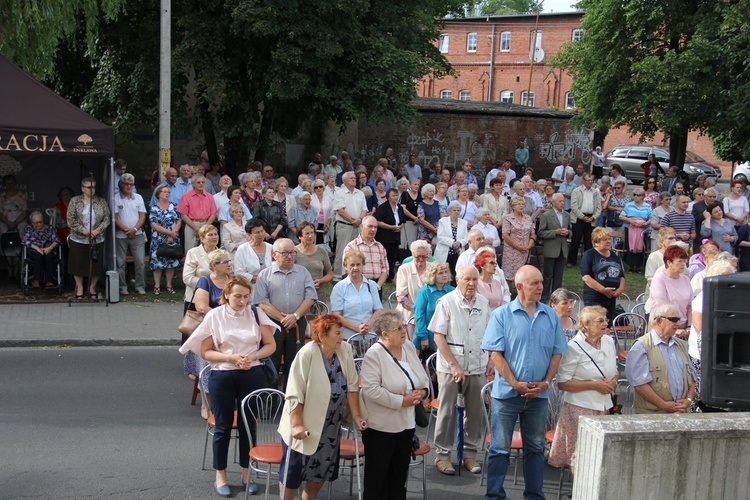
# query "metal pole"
(532, 53)
(165, 88)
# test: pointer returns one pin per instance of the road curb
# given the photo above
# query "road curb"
(89, 343)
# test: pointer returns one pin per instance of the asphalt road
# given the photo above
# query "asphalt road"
(115, 422)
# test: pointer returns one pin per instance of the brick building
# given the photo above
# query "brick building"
(491, 58)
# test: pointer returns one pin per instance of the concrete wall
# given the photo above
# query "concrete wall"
(452, 131)
(703, 456)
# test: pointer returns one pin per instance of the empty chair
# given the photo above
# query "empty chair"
(627, 327)
(261, 409)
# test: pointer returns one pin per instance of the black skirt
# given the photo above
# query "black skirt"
(79, 258)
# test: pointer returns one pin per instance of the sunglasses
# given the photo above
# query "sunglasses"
(318, 187)
(673, 319)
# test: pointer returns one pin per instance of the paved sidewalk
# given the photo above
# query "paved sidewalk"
(86, 324)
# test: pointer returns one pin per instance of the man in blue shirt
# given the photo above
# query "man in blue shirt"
(525, 341)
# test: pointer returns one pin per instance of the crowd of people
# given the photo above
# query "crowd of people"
(257, 254)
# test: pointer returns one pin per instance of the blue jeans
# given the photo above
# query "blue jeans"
(505, 412)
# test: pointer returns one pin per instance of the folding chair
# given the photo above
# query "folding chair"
(263, 407)
(318, 308)
(361, 342)
(431, 367)
(627, 327)
(419, 457)
(211, 420)
(515, 445)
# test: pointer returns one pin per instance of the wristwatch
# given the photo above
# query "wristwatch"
(296, 316)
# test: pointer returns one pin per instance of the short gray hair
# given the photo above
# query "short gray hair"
(277, 244)
(465, 269)
(712, 189)
(483, 211)
(366, 190)
(127, 178)
(557, 196)
(420, 245)
(561, 294)
(473, 187)
(661, 309)
(427, 187)
(385, 320)
(36, 214)
(454, 204)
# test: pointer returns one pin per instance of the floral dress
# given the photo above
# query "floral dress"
(520, 232)
(166, 219)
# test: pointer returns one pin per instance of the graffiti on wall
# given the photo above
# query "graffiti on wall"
(554, 147)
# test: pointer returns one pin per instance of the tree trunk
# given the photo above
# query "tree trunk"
(264, 134)
(236, 155)
(677, 147)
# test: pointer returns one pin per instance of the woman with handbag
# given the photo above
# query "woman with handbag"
(322, 384)
(165, 250)
(588, 375)
(234, 342)
(394, 384)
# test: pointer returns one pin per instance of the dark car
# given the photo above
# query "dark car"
(630, 157)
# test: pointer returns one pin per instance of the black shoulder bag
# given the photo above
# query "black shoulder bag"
(616, 408)
(420, 414)
(269, 369)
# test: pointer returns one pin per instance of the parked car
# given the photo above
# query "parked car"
(630, 157)
(742, 169)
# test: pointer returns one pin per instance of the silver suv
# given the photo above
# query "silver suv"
(630, 157)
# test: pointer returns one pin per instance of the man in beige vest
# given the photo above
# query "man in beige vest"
(658, 366)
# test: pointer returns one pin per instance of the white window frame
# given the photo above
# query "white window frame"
(507, 96)
(469, 46)
(464, 95)
(445, 41)
(446, 94)
(538, 39)
(577, 34)
(532, 96)
(505, 41)
(569, 103)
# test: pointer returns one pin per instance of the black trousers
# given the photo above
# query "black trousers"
(392, 250)
(44, 266)
(581, 230)
(387, 464)
(553, 274)
(287, 347)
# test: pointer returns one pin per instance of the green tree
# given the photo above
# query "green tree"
(504, 7)
(649, 65)
(32, 30)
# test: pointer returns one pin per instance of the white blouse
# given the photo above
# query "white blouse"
(576, 365)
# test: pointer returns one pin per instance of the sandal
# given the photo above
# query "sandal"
(157, 290)
(445, 466)
(170, 290)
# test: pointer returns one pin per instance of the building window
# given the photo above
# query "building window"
(505, 41)
(538, 39)
(471, 42)
(446, 94)
(464, 95)
(506, 96)
(577, 35)
(444, 43)
(569, 104)
(530, 101)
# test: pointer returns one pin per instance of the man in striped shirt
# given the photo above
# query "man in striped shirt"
(680, 220)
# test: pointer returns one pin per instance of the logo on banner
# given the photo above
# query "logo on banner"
(84, 147)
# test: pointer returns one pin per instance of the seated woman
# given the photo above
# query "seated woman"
(393, 384)
(230, 339)
(234, 197)
(322, 382)
(41, 241)
(437, 279)
(588, 375)
(255, 255)
(355, 298)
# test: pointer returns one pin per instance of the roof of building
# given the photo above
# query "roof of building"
(434, 104)
(577, 13)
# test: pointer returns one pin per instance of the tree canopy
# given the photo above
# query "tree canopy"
(254, 67)
(649, 65)
(504, 7)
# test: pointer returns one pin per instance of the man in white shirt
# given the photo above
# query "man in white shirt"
(510, 174)
(460, 181)
(467, 257)
(492, 174)
(350, 207)
(300, 179)
(585, 207)
(221, 198)
(558, 175)
(130, 215)
(413, 170)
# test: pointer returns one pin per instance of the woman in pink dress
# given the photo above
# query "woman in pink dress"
(518, 235)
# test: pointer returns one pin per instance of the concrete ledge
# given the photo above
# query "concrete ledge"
(648, 457)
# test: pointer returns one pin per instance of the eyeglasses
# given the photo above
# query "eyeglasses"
(673, 319)
(637, 194)
(399, 328)
(223, 261)
(127, 183)
(319, 187)
(89, 187)
(285, 254)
